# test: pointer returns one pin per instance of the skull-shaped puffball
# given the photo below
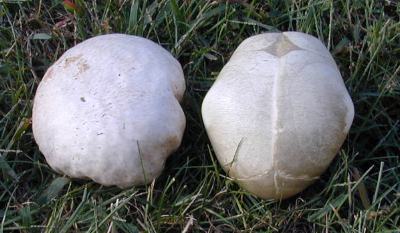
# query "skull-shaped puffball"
(108, 110)
(278, 113)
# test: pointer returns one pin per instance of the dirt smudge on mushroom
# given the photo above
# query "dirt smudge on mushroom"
(49, 74)
(83, 66)
(78, 62)
(171, 142)
(70, 60)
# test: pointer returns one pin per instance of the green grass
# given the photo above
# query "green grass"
(360, 192)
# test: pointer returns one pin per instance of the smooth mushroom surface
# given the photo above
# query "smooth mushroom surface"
(108, 110)
(278, 113)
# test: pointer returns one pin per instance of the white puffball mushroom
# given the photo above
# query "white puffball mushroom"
(108, 110)
(278, 113)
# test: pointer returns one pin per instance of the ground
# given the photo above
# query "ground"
(360, 191)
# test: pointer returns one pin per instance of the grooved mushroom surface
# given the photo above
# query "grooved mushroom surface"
(108, 110)
(278, 113)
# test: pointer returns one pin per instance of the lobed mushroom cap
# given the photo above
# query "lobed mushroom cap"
(278, 113)
(108, 110)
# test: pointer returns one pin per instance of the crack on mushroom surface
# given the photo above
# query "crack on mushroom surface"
(281, 46)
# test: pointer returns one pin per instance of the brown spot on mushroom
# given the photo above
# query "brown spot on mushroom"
(70, 60)
(172, 142)
(83, 66)
(79, 62)
(281, 47)
(49, 74)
